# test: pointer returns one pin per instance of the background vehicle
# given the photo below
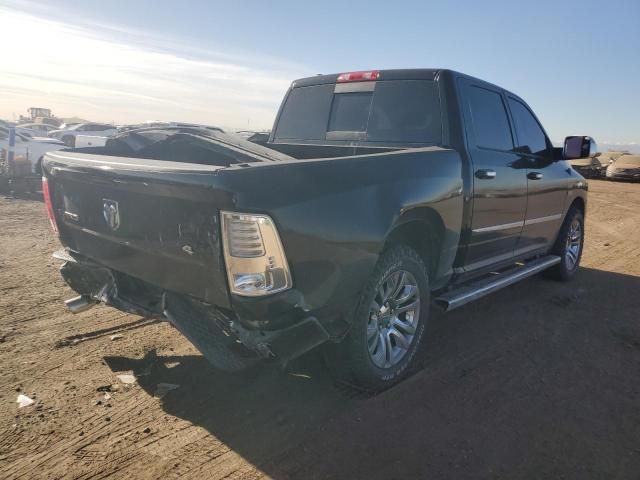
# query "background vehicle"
(379, 190)
(99, 141)
(68, 136)
(151, 124)
(591, 167)
(261, 138)
(40, 129)
(90, 141)
(29, 150)
(626, 167)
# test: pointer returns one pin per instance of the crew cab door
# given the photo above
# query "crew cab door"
(499, 180)
(546, 180)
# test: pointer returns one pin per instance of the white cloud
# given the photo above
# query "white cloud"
(87, 72)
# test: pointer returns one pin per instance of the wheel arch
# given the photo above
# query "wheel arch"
(578, 203)
(423, 230)
(38, 166)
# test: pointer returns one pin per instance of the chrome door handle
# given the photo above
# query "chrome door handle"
(486, 174)
(534, 175)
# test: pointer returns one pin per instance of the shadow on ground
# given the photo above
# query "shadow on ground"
(541, 380)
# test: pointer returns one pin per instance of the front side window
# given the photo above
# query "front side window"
(489, 119)
(531, 137)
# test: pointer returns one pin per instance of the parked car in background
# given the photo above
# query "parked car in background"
(68, 136)
(610, 157)
(40, 129)
(136, 126)
(590, 167)
(626, 167)
(380, 192)
(89, 141)
(261, 138)
(28, 151)
(83, 141)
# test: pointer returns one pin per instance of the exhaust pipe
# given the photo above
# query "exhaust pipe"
(79, 304)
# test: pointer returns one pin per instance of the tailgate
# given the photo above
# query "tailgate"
(153, 220)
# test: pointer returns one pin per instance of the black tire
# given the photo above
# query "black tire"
(351, 360)
(567, 268)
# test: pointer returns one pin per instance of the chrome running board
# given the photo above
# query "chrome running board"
(479, 288)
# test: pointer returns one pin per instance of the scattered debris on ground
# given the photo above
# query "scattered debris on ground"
(24, 401)
(126, 378)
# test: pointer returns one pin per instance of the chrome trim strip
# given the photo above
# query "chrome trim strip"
(503, 226)
(506, 226)
(550, 218)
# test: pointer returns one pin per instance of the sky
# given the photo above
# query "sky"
(577, 63)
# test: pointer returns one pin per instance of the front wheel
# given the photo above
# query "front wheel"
(389, 325)
(568, 246)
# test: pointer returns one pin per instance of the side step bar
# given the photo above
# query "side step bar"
(479, 288)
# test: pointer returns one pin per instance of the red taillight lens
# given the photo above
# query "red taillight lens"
(48, 204)
(358, 76)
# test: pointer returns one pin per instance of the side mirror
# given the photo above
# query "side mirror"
(579, 147)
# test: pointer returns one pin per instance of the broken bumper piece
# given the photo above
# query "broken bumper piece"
(216, 333)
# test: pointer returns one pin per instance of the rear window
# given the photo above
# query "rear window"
(305, 114)
(350, 112)
(396, 111)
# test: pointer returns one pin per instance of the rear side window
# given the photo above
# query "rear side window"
(405, 111)
(395, 111)
(531, 137)
(489, 119)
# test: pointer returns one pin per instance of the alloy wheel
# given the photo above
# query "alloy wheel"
(393, 319)
(574, 243)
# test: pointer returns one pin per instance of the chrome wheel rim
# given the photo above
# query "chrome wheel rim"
(393, 319)
(574, 243)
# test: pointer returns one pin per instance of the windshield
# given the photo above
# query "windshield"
(396, 112)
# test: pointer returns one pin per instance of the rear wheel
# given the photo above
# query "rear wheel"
(568, 246)
(388, 329)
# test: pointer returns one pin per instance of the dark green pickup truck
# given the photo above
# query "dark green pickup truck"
(377, 194)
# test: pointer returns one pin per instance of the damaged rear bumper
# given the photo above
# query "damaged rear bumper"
(215, 332)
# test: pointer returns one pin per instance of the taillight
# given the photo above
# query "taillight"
(369, 75)
(48, 204)
(255, 260)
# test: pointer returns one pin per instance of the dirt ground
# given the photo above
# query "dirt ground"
(541, 380)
